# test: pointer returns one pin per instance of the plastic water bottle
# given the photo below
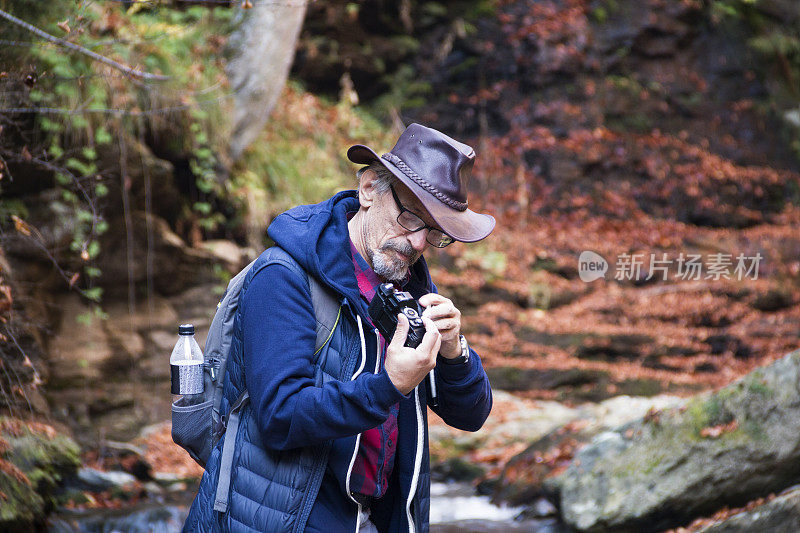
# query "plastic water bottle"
(186, 368)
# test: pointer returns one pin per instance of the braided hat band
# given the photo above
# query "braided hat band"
(405, 169)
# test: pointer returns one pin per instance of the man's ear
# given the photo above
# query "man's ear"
(366, 189)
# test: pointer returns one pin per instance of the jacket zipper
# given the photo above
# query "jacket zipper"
(417, 462)
(358, 437)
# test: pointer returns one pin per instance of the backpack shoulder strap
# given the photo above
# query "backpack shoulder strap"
(324, 301)
(327, 309)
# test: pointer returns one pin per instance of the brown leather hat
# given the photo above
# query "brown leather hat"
(436, 169)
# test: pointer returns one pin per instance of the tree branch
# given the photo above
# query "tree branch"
(135, 73)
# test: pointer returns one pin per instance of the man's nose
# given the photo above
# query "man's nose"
(418, 240)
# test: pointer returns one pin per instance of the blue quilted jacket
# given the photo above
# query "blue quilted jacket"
(299, 433)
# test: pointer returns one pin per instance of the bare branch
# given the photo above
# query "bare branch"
(134, 73)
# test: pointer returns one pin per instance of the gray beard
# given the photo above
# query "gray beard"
(389, 268)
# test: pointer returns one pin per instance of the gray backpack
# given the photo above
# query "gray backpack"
(197, 428)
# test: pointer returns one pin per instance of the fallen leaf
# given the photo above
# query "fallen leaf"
(21, 225)
(717, 431)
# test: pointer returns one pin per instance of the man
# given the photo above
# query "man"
(336, 439)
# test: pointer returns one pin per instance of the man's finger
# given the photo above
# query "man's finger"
(401, 332)
(444, 325)
(431, 334)
(440, 311)
(436, 347)
(431, 299)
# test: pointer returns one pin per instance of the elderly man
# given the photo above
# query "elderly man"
(335, 438)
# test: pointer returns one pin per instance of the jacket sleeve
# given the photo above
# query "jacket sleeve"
(278, 334)
(465, 395)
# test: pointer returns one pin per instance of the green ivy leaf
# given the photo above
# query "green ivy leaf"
(83, 215)
(86, 320)
(55, 151)
(79, 122)
(93, 249)
(63, 179)
(101, 136)
(49, 125)
(66, 91)
(99, 313)
(202, 207)
(94, 294)
(76, 164)
(205, 186)
(63, 70)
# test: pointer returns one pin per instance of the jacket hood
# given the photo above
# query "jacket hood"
(317, 237)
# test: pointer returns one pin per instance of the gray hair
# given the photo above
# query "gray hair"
(383, 176)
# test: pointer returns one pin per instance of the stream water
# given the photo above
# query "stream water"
(454, 509)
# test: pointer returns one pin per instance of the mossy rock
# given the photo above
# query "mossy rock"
(723, 448)
(511, 378)
(34, 458)
(456, 469)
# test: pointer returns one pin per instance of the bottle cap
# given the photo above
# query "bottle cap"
(186, 329)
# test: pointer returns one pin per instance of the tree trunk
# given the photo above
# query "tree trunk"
(263, 49)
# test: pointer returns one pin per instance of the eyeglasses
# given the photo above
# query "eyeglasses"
(413, 223)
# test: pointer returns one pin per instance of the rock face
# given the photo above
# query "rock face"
(21, 357)
(722, 448)
(110, 377)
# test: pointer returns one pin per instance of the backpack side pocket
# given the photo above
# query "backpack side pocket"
(191, 428)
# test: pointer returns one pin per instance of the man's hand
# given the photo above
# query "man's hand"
(448, 321)
(409, 366)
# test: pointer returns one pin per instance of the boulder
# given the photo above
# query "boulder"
(781, 514)
(722, 449)
(98, 480)
(525, 477)
(34, 458)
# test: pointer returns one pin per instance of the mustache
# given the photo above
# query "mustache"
(404, 248)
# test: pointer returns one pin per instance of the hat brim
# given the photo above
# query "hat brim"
(464, 226)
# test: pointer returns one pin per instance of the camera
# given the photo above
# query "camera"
(385, 306)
